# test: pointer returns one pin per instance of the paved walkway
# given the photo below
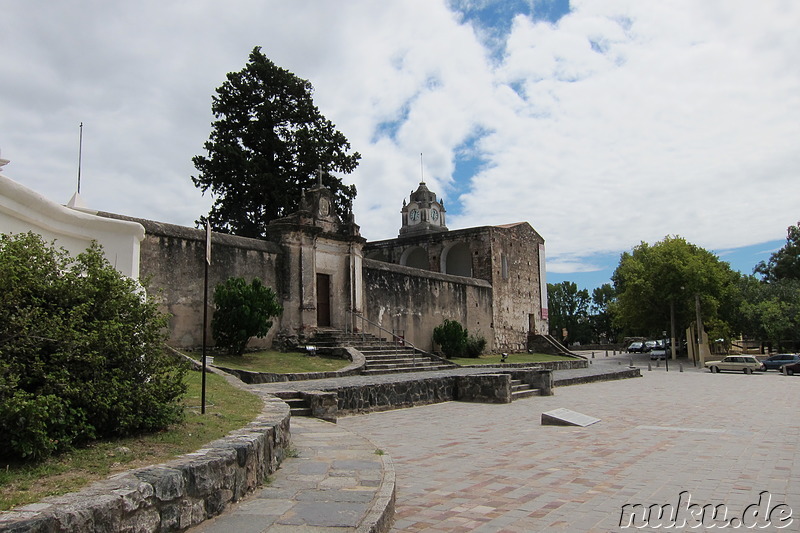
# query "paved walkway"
(334, 481)
(722, 438)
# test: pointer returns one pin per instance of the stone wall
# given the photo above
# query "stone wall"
(515, 281)
(173, 259)
(507, 257)
(412, 302)
(171, 496)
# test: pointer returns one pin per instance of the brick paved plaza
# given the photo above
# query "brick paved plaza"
(724, 438)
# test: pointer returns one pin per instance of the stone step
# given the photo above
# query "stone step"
(298, 406)
(398, 359)
(389, 366)
(518, 395)
(387, 351)
(406, 369)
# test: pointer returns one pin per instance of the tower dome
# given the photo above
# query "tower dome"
(423, 213)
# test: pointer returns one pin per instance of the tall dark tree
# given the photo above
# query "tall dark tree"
(785, 263)
(601, 318)
(266, 146)
(568, 309)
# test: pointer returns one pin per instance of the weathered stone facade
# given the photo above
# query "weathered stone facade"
(506, 257)
(487, 278)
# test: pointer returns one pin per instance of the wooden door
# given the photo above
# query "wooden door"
(323, 300)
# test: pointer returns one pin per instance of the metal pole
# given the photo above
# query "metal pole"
(205, 323)
(699, 327)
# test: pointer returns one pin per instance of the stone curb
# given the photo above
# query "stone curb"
(258, 378)
(607, 376)
(380, 517)
(170, 496)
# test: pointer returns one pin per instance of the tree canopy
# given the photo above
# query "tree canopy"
(785, 263)
(673, 271)
(266, 146)
(568, 309)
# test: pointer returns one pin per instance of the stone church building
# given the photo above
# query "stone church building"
(490, 279)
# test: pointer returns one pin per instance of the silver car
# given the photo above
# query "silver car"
(737, 363)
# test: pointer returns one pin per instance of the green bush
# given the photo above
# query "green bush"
(81, 351)
(451, 336)
(242, 311)
(476, 344)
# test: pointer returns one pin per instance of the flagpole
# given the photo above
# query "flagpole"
(205, 317)
(80, 154)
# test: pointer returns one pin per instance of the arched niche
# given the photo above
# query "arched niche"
(416, 257)
(456, 260)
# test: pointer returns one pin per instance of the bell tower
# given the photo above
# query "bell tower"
(423, 214)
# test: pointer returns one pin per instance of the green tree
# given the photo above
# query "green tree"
(241, 312)
(568, 308)
(785, 263)
(603, 298)
(452, 337)
(266, 145)
(651, 279)
(81, 351)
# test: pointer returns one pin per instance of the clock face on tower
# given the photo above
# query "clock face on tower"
(434, 215)
(413, 216)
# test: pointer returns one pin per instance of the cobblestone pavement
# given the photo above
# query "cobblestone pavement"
(722, 438)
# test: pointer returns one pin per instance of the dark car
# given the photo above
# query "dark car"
(636, 347)
(791, 368)
(775, 362)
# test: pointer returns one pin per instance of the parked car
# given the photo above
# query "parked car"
(738, 363)
(658, 353)
(636, 347)
(650, 345)
(775, 362)
(792, 368)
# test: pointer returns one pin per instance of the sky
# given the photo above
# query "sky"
(602, 123)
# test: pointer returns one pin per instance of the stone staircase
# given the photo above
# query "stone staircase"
(298, 406)
(382, 356)
(521, 390)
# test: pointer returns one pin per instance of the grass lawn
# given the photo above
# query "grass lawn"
(278, 362)
(512, 358)
(227, 408)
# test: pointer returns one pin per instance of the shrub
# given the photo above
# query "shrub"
(452, 337)
(476, 344)
(81, 351)
(242, 311)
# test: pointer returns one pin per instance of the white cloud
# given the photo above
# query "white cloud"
(625, 121)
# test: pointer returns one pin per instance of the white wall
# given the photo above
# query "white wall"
(23, 210)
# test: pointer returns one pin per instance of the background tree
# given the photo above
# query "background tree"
(568, 308)
(785, 263)
(650, 278)
(266, 144)
(769, 309)
(241, 312)
(602, 323)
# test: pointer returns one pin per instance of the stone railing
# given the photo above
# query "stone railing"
(171, 496)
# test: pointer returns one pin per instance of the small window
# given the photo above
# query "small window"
(504, 266)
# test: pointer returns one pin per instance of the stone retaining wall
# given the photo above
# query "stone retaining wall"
(171, 496)
(565, 364)
(256, 378)
(492, 388)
